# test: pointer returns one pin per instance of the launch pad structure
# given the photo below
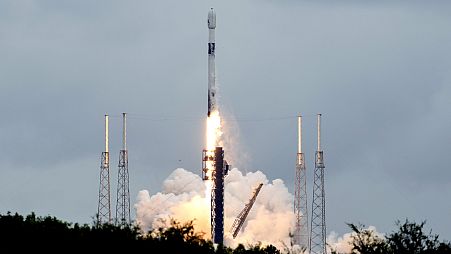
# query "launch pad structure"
(220, 170)
(241, 218)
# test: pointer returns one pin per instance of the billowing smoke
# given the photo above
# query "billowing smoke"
(340, 244)
(343, 244)
(184, 198)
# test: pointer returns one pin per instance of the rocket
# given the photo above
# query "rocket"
(212, 106)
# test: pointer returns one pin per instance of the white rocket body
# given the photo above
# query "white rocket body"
(212, 106)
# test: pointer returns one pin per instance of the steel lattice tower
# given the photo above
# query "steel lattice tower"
(220, 168)
(104, 206)
(217, 197)
(301, 231)
(123, 190)
(318, 226)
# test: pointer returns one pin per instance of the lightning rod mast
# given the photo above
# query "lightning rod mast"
(123, 190)
(318, 223)
(104, 205)
(301, 232)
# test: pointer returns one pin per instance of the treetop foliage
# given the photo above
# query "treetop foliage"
(409, 238)
(49, 232)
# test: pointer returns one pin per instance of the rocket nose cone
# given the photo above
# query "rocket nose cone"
(212, 19)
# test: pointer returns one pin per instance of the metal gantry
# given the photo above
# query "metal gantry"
(301, 232)
(318, 223)
(241, 218)
(214, 161)
(123, 190)
(104, 205)
(221, 169)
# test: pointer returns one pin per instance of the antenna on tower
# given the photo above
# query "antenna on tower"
(123, 190)
(318, 224)
(300, 195)
(104, 205)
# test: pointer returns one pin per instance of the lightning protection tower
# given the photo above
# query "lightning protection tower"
(123, 191)
(318, 226)
(300, 196)
(104, 206)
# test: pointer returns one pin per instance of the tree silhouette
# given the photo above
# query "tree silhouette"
(367, 241)
(409, 238)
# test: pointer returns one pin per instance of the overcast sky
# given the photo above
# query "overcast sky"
(378, 71)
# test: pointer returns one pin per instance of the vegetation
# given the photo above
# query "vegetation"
(49, 233)
(45, 233)
(409, 238)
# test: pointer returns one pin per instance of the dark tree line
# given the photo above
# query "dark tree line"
(20, 233)
(409, 238)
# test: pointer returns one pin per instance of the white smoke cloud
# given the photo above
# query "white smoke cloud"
(343, 244)
(184, 199)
